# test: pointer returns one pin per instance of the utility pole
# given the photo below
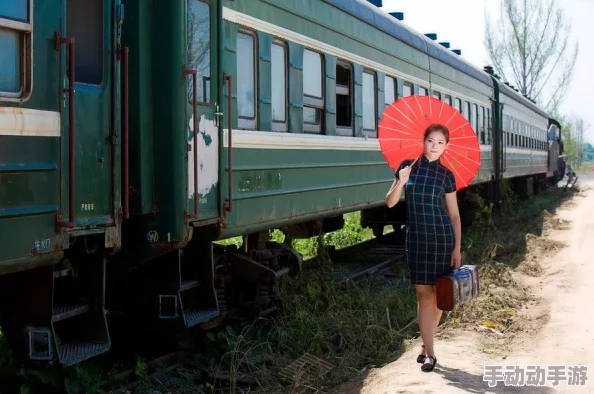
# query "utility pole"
(580, 138)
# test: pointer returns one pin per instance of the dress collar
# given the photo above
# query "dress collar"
(425, 161)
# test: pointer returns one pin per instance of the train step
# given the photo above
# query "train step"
(189, 284)
(75, 333)
(188, 294)
(75, 352)
(62, 312)
(61, 317)
(197, 316)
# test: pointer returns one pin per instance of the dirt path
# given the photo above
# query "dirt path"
(558, 325)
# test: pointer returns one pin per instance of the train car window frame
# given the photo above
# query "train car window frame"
(448, 99)
(423, 91)
(508, 132)
(488, 127)
(18, 28)
(88, 27)
(280, 125)
(407, 86)
(248, 122)
(369, 132)
(475, 118)
(344, 69)
(436, 94)
(468, 111)
(481, 126)
(459, 105)
(310, 102)
(204, 79)
(387, 79)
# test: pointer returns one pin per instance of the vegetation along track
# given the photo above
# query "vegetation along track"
(349, 310)
(350, 268)
(380, 257)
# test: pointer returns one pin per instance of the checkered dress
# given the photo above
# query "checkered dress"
(429, 232)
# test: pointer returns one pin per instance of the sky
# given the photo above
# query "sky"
(462, 24)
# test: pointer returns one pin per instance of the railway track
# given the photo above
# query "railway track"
(381, 257)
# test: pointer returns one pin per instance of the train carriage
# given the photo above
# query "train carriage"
(134, 134)
(59, 173)
(524, 147)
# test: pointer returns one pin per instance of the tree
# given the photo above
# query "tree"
(529, 48)
(588, 152)
(572, 135)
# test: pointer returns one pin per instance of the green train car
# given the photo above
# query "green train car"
(134, 134)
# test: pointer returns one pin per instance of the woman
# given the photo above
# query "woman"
(432, 235)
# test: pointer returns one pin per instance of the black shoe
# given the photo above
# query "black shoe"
(421, 357)
(428, 367)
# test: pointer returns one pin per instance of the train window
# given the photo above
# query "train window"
(246, 80)
(15, 40)
(84, 21)
(313, 99)
(459, 106)
(278, 75)
(369, 107)
(423, 91)
(482, 125)
(448, 99)
(468, 113)
(344, 98)
(199, 48)
(11, 63)
(390, 92)
(488, 126)
(407, 89)
(475, 118)
(437, 95)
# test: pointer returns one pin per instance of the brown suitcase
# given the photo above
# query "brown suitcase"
(457, 288)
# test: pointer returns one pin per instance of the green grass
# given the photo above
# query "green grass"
(350, 234)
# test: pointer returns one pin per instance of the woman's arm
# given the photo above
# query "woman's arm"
(395, 192)
(454, 214)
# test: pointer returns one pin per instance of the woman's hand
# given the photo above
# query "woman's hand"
(456, 258)
(404, 174)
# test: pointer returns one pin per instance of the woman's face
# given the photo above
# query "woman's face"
(435, 144)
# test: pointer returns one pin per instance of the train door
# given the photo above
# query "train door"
(203, 107)
(90, 124)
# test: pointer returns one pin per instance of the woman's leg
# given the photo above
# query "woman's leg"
(426, 315)
(437, 316)
(423, 353)
(436, 311)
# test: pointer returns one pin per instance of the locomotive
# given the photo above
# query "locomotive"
(150, 130)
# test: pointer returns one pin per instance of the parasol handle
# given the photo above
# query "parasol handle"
(413, 163)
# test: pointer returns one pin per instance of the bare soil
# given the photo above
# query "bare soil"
(555, 325)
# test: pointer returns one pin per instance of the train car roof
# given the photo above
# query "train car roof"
(367, 12)
(511, 93)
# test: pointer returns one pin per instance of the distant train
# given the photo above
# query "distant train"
(130, 141)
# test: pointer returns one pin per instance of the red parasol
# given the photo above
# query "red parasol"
(403, 124)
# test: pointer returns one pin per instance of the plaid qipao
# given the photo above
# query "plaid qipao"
(429, 233)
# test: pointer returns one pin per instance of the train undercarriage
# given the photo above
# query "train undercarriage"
(63, 313)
